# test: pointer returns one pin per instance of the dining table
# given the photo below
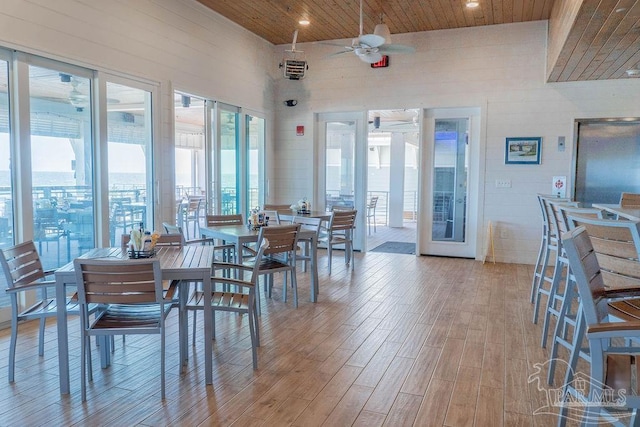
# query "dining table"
(241, 235)
(289, 214)
(186, 264)
(629, 212)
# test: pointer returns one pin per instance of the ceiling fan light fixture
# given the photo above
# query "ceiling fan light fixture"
(383, 31)
(304, 22)
(471, 4)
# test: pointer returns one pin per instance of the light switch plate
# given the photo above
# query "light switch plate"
(561, 143)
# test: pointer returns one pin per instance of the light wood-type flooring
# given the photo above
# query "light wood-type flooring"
(401, 340)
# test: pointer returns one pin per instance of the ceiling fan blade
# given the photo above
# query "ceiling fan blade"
(396, 48)
(371, 58)
(371, 40)
(338, 53)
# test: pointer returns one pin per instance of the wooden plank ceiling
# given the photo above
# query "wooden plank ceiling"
(600, 39)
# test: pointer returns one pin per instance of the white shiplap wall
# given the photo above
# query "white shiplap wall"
(497, 68)
(171, 43)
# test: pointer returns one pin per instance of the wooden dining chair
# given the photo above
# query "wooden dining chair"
(193, 213)
(131, 292)
(232, 219)
(307, 223)
(371, 213)
(24, 273)
(340, 233)
(609, 320)
(280, 256)
(244, 280)
(628, 200)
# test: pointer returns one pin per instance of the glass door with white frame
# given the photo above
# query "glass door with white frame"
(6, 188)
(129, 135)
(342, 169)
(451, 164)
(229, 137)
(255, 134)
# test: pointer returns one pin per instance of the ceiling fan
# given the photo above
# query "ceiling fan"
(370, 47)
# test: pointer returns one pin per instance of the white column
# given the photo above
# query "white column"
(396, 181)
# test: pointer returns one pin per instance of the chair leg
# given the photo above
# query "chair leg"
(551, 300)
(193, 339)
(162, 343)
(537, 272)
(254, 340)
(12, 347)
(43, 323)
(294, 284)
(284, 286)
(83, 367)
(329, 255)
(541, 283)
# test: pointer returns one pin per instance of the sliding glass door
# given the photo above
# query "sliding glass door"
(6, 188)
(255, 136)
(130, 159)
(229, 146)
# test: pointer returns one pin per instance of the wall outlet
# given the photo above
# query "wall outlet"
(503, 183)
(504, 234)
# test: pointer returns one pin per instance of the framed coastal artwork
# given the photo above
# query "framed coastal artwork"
(523, 150)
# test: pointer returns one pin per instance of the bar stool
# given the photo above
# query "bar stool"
(542, 274)
(543, 255)
(566, 314)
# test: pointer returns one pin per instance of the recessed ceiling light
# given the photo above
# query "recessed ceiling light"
(472, 4)
(621, 9)
(304, 22)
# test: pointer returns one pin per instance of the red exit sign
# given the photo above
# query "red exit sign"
(384, 62)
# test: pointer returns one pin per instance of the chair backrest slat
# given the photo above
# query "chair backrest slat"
(343, 220)
(282, 238)
(21, 264)
(616, 245)
(308, 223)
(275, 207)
(216, 220)
(630, 200)
(584, 265)
(119, 282)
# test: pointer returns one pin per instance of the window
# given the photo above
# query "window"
(61, 164)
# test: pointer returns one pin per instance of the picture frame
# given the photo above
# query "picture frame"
(523, 150)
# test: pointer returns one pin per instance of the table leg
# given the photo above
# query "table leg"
(314, 269)
(63, 338)
(208, 329)
(183, 324)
